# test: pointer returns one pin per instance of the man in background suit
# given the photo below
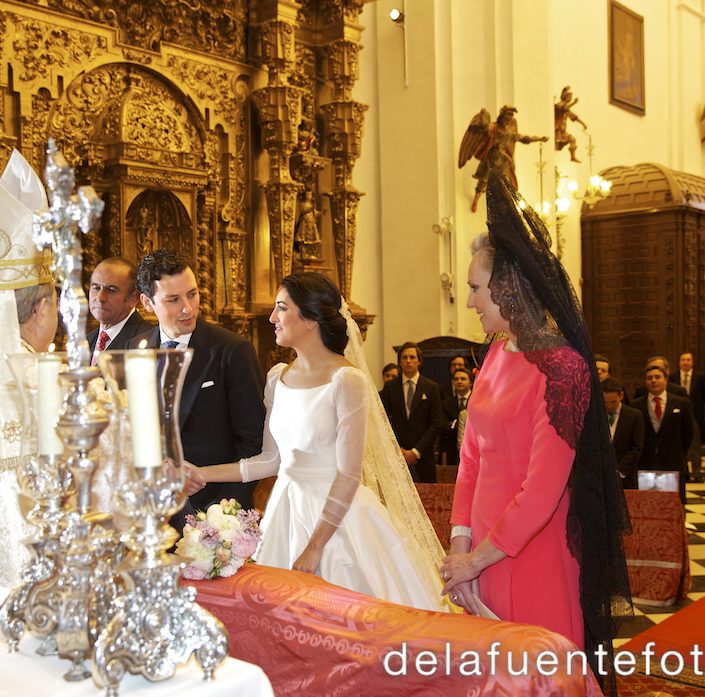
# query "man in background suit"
(413, 405)
(671, 387)
(694, 384)
(626, 432)
(112, 296)
(452, 406)
(668, 427)
(602, 363)
(221, 413)
(447, 389)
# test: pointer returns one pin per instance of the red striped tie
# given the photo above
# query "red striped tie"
(103, 339)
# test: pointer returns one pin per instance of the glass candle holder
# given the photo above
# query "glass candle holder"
(145, 385)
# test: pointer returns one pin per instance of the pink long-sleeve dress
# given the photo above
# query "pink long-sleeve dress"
(512, 485)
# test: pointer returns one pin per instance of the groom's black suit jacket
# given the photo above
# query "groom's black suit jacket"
(221, 413)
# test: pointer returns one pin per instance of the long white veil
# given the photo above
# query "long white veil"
(386, 473)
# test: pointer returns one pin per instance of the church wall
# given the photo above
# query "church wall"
(408, 171)
(468, 54)
(367, 271)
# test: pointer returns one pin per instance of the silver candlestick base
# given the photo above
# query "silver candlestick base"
(157, 626)
(90, 550)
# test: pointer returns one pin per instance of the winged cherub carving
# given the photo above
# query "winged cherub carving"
(492, 143)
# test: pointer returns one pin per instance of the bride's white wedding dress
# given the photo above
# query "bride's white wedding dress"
(314, 440)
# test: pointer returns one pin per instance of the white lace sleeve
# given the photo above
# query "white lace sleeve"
(266, 464)
(351, 406)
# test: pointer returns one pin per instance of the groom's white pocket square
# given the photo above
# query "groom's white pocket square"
(207, 383)
(676, 411)
(423, 396)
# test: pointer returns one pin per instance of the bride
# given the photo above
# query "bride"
(325, 432)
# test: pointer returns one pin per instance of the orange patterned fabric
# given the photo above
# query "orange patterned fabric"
(657, 549)
(316, 639)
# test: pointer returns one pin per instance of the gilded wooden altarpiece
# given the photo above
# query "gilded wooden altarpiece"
(224, 129)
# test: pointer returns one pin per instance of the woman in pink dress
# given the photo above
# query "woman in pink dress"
(538, 510)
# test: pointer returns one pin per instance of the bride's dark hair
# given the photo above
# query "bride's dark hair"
(318, 299)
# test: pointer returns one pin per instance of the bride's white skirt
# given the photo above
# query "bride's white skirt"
(366, 553)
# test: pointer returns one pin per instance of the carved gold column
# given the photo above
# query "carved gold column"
(344, 118)
(279, 107)
(205, 251)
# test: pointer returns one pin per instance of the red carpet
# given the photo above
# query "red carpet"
(683, 634)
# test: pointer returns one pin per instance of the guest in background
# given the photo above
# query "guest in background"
(389, 372)
(221, 413)
(112, 297)
(447, 389)
(626, 432)
(462, 421)
(604, 371)
(602, 363)
(452, 406)
(668, 427)
(413, 405)
(694, 384)
(671, 387)
(540, 550)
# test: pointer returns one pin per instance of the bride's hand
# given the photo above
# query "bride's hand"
(194, 481)
(309, 560)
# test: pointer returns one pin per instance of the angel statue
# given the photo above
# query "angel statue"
(492, 144)
(563, 112)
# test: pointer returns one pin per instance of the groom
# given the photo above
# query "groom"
(221, 412)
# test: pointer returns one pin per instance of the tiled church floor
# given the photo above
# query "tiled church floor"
(645, 616)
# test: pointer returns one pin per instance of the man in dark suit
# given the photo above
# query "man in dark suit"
(221, 413)
(112, 296)
(694, 384)
(451, 407)
(626, 432)
(447, 389)
(668, 427)
(413, 405)
(671, 387)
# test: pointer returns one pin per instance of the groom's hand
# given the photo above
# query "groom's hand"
(194, 481)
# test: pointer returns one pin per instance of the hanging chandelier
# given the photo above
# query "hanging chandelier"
(597, 187)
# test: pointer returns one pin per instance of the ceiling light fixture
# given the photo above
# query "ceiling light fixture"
(397, 16)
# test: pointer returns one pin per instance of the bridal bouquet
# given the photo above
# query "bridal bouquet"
(219, 541)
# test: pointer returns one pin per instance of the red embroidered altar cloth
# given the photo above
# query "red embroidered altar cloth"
(315, 639)
(657, 549)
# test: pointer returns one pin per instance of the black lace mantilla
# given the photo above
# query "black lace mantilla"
(535, 295)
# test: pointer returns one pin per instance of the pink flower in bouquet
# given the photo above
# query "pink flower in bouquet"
(194, 573)
(245, 545)
(219, 541)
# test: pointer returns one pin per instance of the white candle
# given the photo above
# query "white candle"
(49, 399)
(141, 374)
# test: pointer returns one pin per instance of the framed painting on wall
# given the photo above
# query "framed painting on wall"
(626, 58)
